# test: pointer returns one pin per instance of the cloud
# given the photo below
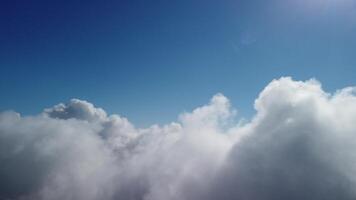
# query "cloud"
(299, 145)
(76, 109)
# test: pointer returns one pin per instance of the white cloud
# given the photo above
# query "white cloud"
(300, 145)
(77, 109)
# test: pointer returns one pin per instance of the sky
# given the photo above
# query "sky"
(178, 100)
(149, 60)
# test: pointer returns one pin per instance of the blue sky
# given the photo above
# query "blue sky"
(150, 60)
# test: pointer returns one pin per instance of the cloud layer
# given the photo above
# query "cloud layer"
(301, 144)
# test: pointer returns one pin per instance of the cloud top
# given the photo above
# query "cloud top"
(299, 145)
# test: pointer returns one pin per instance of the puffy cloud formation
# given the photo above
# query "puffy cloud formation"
(299, 145)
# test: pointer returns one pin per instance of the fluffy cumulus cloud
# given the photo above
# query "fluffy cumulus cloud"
(301, 144)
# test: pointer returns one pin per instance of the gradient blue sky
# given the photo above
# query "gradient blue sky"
(150, 60)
